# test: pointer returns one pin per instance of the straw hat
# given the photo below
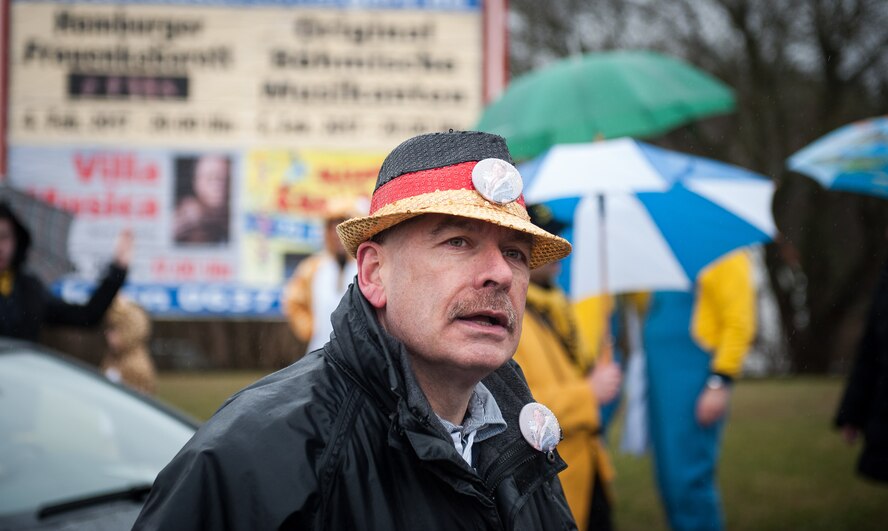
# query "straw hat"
(345, 207)
(465, 173)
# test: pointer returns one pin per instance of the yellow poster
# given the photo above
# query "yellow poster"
(122, 111)
(285, 195)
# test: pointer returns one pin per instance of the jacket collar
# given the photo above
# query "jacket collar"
(379, 363)
(361, 347)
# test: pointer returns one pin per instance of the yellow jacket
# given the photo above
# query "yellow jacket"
(724, 318)
(556, 382)
(589, 314)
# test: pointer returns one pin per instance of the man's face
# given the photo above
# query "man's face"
(211, 181)
(331, 239)
(454, 293)
(7, 244)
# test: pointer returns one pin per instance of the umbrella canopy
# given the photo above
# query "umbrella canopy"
(853, 158)
(602, 95)
(644, 218)
(49, 227)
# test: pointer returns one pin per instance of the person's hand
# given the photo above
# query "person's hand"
(605, 381)
(712, 405)
(123, 251)
(850, 433)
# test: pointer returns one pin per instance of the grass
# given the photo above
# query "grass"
(782, 465)
(201, 394)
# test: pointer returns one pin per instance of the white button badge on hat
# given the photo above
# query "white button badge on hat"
(497, 181)
(540, 428)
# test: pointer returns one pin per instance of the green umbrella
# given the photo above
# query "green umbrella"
(602, 95)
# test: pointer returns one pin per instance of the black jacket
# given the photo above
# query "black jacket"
(344, 439)
(31, 305)
(865, 402)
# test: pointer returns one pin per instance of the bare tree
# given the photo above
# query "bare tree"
(799, 68)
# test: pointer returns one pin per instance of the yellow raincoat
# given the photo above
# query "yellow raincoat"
(556, 381)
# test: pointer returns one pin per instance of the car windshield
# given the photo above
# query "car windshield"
(66, 434)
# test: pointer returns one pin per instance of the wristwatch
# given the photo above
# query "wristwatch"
(717, 381)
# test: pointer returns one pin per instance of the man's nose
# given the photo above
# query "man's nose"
(493, 268)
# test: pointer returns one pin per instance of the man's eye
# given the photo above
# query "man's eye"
(515, 254)
(456, 242)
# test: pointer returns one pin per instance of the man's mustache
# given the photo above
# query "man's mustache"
(486, 301)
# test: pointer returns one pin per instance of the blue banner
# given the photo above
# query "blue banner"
(189, 300)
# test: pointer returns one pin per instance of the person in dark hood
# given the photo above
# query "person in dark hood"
(26, 304)
(413, 415)
(863, 409)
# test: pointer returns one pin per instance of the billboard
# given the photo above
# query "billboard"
(216, 131)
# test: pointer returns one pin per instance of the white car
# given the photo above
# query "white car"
(76, 450)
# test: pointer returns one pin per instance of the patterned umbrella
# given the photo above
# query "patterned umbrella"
(644, 218)
(853, 158)
(49, 227)
(602, 95)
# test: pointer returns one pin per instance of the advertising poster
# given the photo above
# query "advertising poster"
(308, 75)
(168, 199)
(284, 195)
(217, 131)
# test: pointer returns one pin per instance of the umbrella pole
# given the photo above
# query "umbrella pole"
(606, 355)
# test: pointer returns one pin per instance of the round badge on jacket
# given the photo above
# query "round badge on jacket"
(497, 181)
(539, 426)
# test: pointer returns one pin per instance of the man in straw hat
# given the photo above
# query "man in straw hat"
(413, 415)
(320, 280)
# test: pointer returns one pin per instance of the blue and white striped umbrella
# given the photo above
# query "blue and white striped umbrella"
(655, 217)
(853, 158)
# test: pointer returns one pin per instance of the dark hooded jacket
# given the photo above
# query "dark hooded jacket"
(30, 305)
(864, 404)
(344, 439)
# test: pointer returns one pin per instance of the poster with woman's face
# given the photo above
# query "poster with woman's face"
(202, 200)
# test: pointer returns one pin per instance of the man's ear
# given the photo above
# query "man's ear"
(370, 256)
